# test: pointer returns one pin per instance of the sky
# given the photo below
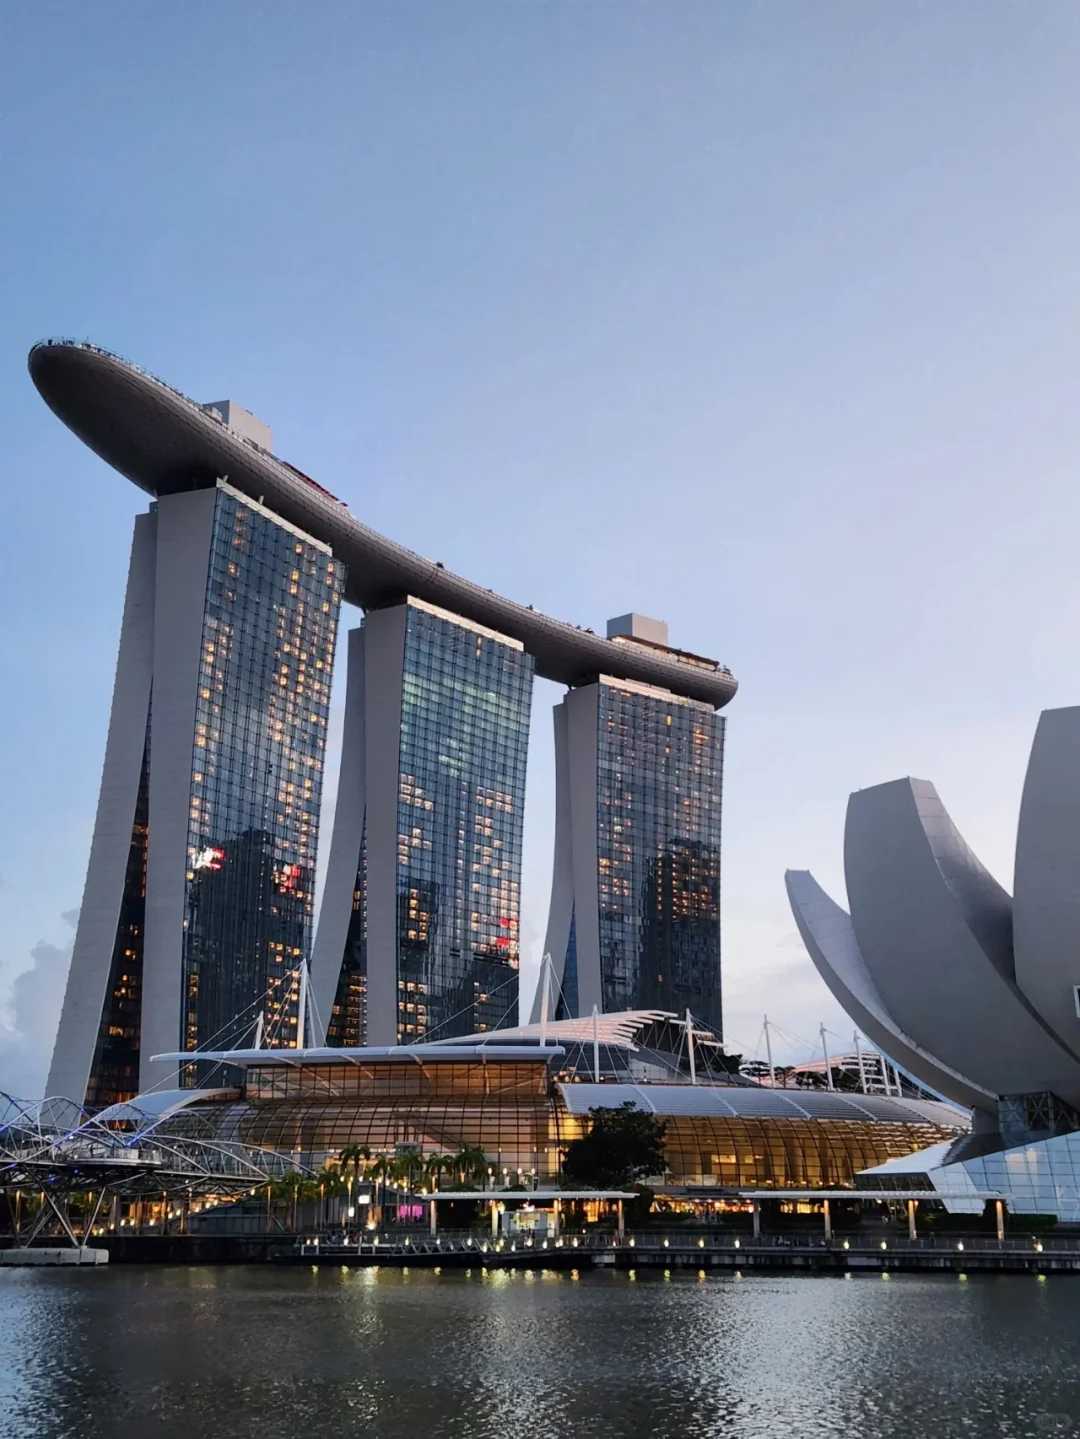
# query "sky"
(760, 318)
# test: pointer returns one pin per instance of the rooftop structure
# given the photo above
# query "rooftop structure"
(166, 443)
(521, 1096)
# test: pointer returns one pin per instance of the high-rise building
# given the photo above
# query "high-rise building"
(197, 912)
(635, 906)
(200, 891)
(419, 931)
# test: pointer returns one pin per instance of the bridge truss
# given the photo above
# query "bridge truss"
(54, 1151)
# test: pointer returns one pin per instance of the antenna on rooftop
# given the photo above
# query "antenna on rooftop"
(862, 1066)
(825, 1052)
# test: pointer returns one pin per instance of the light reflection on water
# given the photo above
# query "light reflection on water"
(285, 1352)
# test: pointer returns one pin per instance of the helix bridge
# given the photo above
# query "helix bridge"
(54, 1152)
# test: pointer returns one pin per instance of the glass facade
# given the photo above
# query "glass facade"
(465, 709)
(660, 763)
(510, 1111)
(269, 628)
(749, 1153)
(501, 1108)
(1042, 1177)
(114, 1070)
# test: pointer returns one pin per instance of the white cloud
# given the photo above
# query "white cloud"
(28, 1029)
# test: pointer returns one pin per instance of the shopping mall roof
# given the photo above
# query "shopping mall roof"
(710, 1101)
(166, 443)
(618, 1030)
(393, 1053)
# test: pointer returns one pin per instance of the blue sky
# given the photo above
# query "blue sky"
(760, 318)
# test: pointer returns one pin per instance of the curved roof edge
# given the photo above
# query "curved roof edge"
(1046, 888)
(935, 930)
(708, 1101)
(399, 1053)
(829, 936)
(166, 443)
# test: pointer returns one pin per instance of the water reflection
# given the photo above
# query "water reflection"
(258, 1350)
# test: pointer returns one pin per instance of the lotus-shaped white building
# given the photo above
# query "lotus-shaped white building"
(973, 993)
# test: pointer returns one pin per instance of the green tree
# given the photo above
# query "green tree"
(470, 1165)
(622, 1145)
(435, 1166)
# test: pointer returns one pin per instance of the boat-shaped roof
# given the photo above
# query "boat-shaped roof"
(166, 443)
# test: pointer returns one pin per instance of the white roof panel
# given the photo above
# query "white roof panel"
(736, 1102)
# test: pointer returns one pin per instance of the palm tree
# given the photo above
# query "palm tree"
(380, 1170)
(331, 1182)
(290, 1189)
(434, 1166)
(408, 1162)
(471, 1163)
(353, 1159)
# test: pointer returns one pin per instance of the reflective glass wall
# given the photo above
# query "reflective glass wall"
(269, 627)
(659, 788)
(465, 707)
(511, 1112)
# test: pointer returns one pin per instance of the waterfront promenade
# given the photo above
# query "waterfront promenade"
(1020, 1254)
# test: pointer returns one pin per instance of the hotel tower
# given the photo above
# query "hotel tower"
(196, 926)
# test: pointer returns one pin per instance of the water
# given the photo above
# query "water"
(282, 1353)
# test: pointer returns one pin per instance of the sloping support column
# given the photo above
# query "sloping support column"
(335, 911)
(185, 527)
(99, 914)
(384, 661)
(561, 911)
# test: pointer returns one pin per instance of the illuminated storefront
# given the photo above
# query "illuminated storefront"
(509, 1104)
